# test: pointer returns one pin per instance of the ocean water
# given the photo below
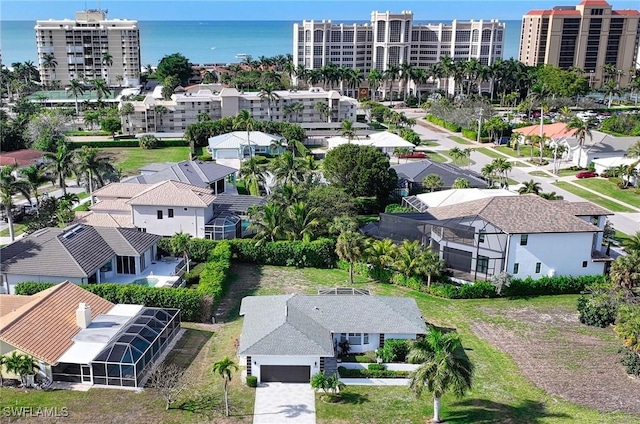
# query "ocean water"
(201, 42)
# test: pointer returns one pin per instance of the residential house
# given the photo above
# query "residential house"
(289, 338)
(79, 337)
(411, 175)
(525, 236)
(240, 145)
(21, 159)
(78, 253)
(606, 164)
(385, 141)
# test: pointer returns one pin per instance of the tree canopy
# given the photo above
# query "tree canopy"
(361, 170)
(174, 65)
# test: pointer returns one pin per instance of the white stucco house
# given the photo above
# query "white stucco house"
(240, 145)
(385, 141)
(79, 253)
(599, 146)
(604, 164)
(523, 235)
(289, 338)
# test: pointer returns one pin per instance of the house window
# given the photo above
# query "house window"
(481, 236)
(524, 239)
(538, 265)
(343, 337)
(159, 214)
(516, 268)
(126, 265)
(482, 264)
(355, 339)
(584, 264)
(366, 338)
(170, 213)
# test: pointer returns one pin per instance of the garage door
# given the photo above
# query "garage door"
(457, 259)
(285, 373)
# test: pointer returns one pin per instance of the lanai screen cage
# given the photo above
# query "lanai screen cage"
(125, 360)
(225, 226)
(471, 247)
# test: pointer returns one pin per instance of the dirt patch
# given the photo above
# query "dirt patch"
(565, 358)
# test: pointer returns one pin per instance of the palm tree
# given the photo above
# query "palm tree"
(225, 368)
(267, 220)
(343, 224)
(76, 88)
(49, 62)
(401, 151)
(551, 196)
(530, 187)
(179, 243)
(35, 177)
(268, 93)
(8, 186)
(101, 88)
(456, 154)
(410, 259)
(489, 173)
(252, 172)
(406, 75)
(502, 167)
(381, 254)
(582, 131)
(444, 367)
(391, 74)
(610, 89)
(89, 163)
(61, 164)
(461, 183)
(301, 221)
(288, 169)
(433, 265)
(350, 247)
(158, 112)
(634, 150)
(631, 244)
(323, 109)
(107, 60)
(127, 110)
(625, 271)
(244, 120)
(21, 365)
(432, 182)
(374, 79)
(347, 130)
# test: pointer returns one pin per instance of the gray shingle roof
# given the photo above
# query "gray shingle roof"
(417, 171)
(236, 203)
(517, 214)
(303, 325)
(127, 241)
(197, 173)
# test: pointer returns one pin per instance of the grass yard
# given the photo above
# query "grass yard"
(511, 181)
(17, 228)
(490, 152)
(436, 157)
(598, 200)
(459, 140)
(629, 195)
(566, 172)
(428, 143)
(462, 163)
(539, 174)
(130, 159)
(525, 151)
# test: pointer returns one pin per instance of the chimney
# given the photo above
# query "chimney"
(83, 315)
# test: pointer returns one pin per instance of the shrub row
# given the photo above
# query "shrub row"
(188, 301)
(473, 135)
(126, 143)
(351, 373)
(315, 254)
(214, 274)
(442, 123)
(192, 277)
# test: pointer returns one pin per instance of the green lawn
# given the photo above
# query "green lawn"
(525, 151)
(17, 228)
(436, 157)
(428, 143)
(598, 200)
(462, 163)
(539, 174)
(511, 181)
(566, 172)
(130, 159)
(629, 195)
(490, 152)
(459, 140)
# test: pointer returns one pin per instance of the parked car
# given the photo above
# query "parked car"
(586, 174)
(414, 155)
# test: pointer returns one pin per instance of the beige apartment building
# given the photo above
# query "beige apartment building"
(153, 114)
(587, 36)
(395, 38)
(79, 48)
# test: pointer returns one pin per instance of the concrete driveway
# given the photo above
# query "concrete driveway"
(278, 403)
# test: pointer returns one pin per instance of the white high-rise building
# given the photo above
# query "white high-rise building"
(394, 38)
(89, 47)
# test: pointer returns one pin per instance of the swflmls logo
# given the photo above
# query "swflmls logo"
(31, 412)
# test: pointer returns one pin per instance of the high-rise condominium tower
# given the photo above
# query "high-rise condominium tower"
(590, 36)
(89, 47)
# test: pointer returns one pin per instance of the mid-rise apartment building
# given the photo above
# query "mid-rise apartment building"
(89, 47)
(395, 38)
(587, 36)
(154, 114)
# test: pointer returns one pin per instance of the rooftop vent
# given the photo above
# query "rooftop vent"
(83, 315)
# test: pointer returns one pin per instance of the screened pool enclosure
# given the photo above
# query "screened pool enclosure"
(126, 358)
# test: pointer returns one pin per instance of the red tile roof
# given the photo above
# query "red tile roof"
(555, 130)
(24, 157)
(593, 3)
(626, 12)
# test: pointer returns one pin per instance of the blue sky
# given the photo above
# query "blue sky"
(424, 10)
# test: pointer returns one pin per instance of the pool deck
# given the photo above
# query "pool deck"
(155, 270)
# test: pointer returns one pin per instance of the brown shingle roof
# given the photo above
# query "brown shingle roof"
(99, 219)
(44, 327)
(581, 208)
(174, 193)
(517, 215)
(119, 191)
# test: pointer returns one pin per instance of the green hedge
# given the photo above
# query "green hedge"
(126, 143)
(214, 274)
(394, 350)
(192, 277)
(442, 123)
(350, 373)
(188, 301)
(252, 381)
(473, 135)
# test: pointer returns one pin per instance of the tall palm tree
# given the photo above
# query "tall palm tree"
(158, 112)
(489, 173)
(392, 74)
(126, 111)
(323, 109)
(267, 220)
(374, 79)
(530, 187)
(252, 173)
(302, 221)
(582, 131)
(444, 367)
(180, 243)
(410, 259)
(76, 88)
(9, 185)
(268, 93)
(244, 120)
(406, 75)
(502, 168)
(49, 62)
(89, 164)
(35, 177)
(101, 88)
(61, 164)
(107, 60)
(288, 169)
(457, 155)
(350, 248)
(381, 254)
(225, 368)
(433, 265)
(347, 130)
(432, 182)
(611, 88)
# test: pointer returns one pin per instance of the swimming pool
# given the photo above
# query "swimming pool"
(147, 281)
